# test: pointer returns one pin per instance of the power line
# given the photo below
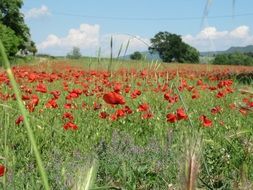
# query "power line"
(149, 18)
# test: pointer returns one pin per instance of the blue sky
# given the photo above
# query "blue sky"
(57, 26)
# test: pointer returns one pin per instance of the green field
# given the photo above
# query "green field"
(178, 125)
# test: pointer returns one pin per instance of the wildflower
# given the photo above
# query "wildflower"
(68, 115)
(103, 115)
(135, 94)
(127, 110)
(70, 126)
(143, 107)
(216, 109)
(172, 118)
(41, 88)
(181, 114)
(2, 170)
(56, 94)
(51, 104)
(19, 120)
(117, 87)
(205, 121)
(113, 98)
(243, 111)
(147, 115)
(97, 106)
(220, 94)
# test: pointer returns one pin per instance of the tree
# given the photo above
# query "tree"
(32, 48)
(75, 53)
(171, 48)
(9, 39)
(136, 56)
(11, 17)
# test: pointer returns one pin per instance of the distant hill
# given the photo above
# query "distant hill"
(245, 49)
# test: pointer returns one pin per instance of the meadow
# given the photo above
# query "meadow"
(118, 124)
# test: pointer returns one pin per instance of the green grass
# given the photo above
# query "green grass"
(131, 152)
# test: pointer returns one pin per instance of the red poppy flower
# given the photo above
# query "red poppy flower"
(97, 106)
(117, 87)
(127, 89)
(143, 107)
(135, 94)
(147, 115)
(71, 95)
(51, 104)
(243, 111)
(225, 83)
(181, 114)
(113, 117)
(205, 121)
(120, 113)
(56, 94)
(25, 97)
(2, 170)
(34, 100)
(172, 118)
(220, 94)
(195, 95)
(200, 82)
(77, 91)
(32, 77)
(103, 115)
(19, 120)
(41, 88)
(127, 110)
(68, 115)
(113, 98)
(232, 106)
(167, 96)
(67, 106)
(70, 126)
(216, 109)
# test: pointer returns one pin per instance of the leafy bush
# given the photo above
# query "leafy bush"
(233, 59)
(136, 56)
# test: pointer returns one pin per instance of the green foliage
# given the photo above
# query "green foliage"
(14, 19)
(136, 56)
(11, 17)
(75, 53)
(9, 39)
(171, 48)
(233, 59)
(191, 55)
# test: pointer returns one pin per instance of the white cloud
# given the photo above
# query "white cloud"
(37, 12)
(211, 33)
(240, 32)
(52, 40)
(210, 39)
(87, 37)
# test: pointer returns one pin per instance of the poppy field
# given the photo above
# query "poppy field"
(141, 125)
